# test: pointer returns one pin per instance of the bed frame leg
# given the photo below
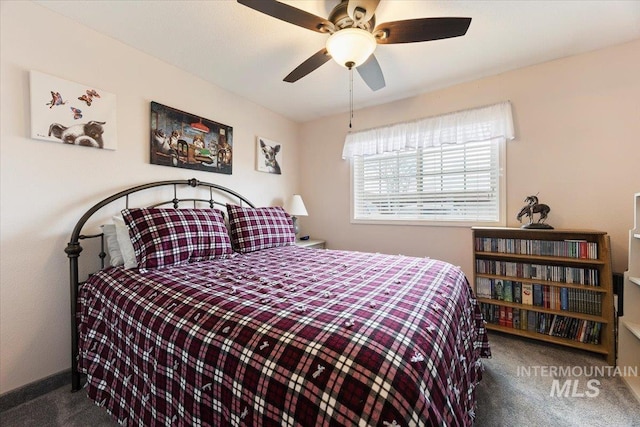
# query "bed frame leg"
(73, 250)
(75, 382)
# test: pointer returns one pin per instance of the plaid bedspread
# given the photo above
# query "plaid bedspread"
(282, 337)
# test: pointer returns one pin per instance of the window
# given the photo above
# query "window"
(447, 170)
(452, 183)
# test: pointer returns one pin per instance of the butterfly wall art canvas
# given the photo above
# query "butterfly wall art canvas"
(72, 113)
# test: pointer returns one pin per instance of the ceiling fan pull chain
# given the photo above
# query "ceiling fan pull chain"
(350, 96)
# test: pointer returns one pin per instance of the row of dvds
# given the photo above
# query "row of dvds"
(556, 273)
(585, 331)
(559, 248)
(553, 297)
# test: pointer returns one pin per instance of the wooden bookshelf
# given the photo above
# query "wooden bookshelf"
(629, 330)
(569, 275)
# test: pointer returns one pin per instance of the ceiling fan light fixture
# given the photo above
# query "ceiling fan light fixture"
(351, 46)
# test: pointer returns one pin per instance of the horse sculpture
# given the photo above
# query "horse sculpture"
(532, 207)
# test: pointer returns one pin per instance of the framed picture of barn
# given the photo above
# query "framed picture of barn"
(185, 140)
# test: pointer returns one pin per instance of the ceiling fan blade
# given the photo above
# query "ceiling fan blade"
(367, 6)
(315, 61)
(289, 14)
(371, 73)
(422, 29)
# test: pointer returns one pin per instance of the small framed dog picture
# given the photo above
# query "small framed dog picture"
(268, 156)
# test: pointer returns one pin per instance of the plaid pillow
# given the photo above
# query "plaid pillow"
(253, 229)
(167, 237)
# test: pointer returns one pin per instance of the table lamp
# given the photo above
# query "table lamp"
(295, 207)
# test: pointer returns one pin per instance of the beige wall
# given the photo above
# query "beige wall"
(45, 187)
(577, 123)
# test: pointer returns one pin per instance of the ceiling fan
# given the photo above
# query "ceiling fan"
(354, 35)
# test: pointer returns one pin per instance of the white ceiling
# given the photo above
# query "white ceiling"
(248, 53)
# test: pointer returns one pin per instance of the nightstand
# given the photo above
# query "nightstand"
(311, 243)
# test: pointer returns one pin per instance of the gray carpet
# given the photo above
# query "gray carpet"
(504, 397)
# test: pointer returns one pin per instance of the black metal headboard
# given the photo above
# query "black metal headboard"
(74, 248)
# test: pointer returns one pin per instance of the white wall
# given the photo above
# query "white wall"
(45, 187)
(577, 126)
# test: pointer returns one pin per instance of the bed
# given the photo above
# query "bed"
(267, 333)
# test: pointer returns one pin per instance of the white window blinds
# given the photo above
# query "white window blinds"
(450, 183)
(453, 182)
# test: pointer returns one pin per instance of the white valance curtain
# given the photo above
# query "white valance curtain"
(478, 124)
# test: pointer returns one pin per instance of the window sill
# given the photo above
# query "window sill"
(429, 223)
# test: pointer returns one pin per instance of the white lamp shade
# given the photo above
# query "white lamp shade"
(351, 45)
(295, 206)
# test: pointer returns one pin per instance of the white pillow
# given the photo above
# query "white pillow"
(126, 247)
(113, 247)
